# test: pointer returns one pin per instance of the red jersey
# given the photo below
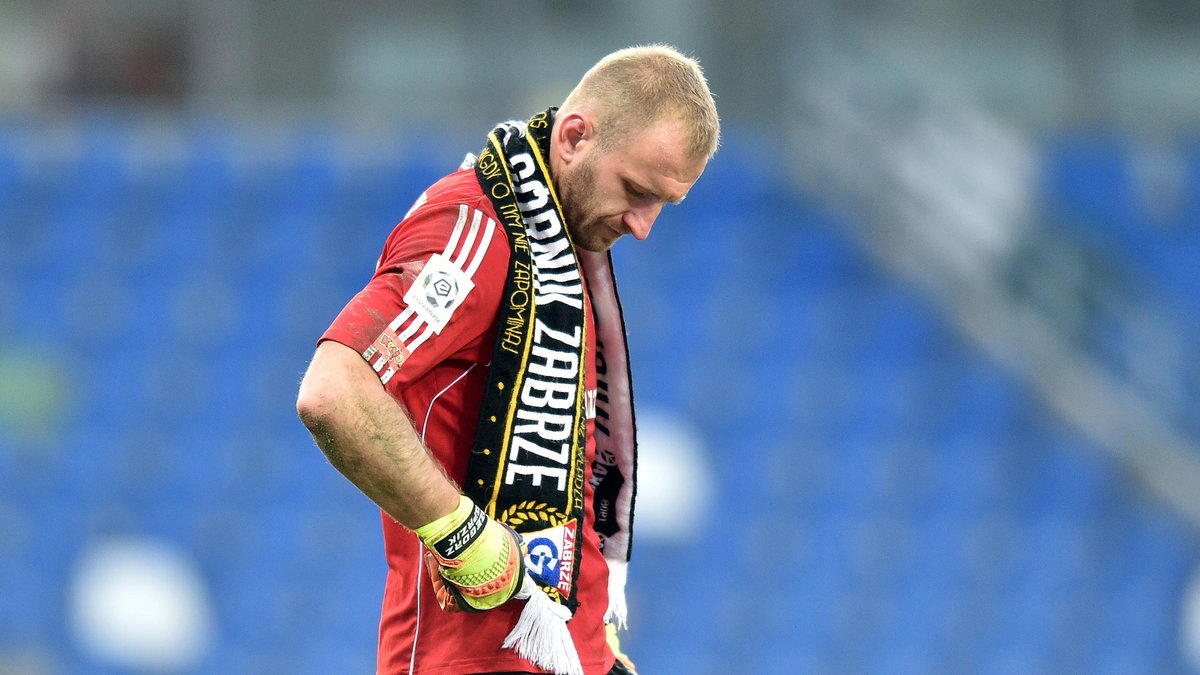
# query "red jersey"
(427, 324)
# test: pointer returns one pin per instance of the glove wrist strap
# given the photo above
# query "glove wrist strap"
(451, 534)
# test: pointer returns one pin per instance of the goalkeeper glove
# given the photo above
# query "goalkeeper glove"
(476, 563)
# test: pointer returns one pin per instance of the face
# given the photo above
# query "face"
(608, 194)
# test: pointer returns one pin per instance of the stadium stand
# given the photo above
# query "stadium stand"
(888, 501)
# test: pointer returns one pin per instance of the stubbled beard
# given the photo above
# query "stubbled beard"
(579, 208)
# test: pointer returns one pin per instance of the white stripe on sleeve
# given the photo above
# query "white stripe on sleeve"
(488, 231)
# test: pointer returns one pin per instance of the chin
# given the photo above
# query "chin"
(589, 239)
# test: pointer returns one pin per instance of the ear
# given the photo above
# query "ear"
(575, 132)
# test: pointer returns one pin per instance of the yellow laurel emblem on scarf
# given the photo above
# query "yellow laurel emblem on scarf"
(529, 512)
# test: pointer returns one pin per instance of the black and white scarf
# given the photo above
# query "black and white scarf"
(527, 464)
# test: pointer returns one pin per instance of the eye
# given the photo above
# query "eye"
(634, 192)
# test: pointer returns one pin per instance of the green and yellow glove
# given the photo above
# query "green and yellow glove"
(476, 563)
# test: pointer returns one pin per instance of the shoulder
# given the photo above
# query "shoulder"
(449, 256)
(446, 196)
(452, 219)
(460, 186)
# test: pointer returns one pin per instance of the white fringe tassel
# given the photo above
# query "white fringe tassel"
(618, 612)
(541, 634)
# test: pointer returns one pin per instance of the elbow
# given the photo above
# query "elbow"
(310, 409)
(318, 411)
(334, 391)
(315, 404)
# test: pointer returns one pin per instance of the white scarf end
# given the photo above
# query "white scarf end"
(541, 634)
(618, 611)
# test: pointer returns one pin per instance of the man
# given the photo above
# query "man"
(477, 388)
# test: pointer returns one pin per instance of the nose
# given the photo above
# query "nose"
(640, 219)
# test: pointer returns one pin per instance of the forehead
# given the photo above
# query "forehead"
(658, 159)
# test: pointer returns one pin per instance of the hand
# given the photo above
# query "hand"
(624, 664)
(476, 563)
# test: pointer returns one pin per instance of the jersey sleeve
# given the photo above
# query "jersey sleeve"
(436, 290)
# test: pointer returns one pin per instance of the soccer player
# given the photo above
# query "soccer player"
(477, 389)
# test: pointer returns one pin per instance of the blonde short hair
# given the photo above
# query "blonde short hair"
(632, 88)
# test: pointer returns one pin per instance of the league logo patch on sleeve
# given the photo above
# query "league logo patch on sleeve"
(438, 291)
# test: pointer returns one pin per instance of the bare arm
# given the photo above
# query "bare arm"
(369, 438)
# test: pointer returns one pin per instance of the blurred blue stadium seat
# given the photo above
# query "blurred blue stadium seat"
(887, 501)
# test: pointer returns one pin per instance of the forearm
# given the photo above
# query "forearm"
(475, 562)
(370, 439)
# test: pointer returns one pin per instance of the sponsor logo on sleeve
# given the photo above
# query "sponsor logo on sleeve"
(393, 350)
